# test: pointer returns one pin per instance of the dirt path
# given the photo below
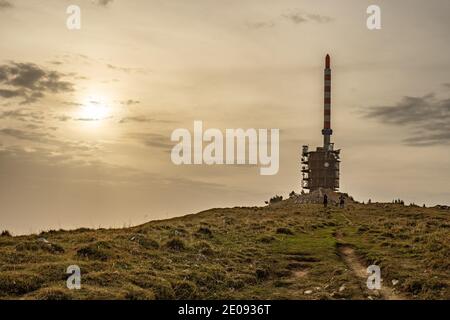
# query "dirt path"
(351, 259)
(360, 270)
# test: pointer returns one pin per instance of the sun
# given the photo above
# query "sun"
(94, 109)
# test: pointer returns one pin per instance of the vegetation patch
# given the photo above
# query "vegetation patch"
(175, 244)
(18, 283)
(285, 231)
(271, 252)
(40, 245)
(95, 251)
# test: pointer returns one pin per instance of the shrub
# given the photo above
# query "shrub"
(53, 294)
(262, 274)
(414, 286)
(95, 251)
(134, 293)
(204, 231)
(5, 233)
(185, 290)
(276, 199)
(39, 245)
(149, 243)
(56, 248)
(204, 248)
(161, 288)
(266, 239)
(285, 231)
(102, 278)
(175, 244)
(14, 283)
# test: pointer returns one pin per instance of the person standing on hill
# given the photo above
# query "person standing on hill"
(341, 201)
(325, 200)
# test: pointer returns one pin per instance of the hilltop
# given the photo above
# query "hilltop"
(287, 250)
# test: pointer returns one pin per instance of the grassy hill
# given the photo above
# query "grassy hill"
(282, 251)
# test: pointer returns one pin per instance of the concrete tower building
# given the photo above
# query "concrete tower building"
(320, 168)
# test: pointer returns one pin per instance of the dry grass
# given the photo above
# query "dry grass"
(284, 251)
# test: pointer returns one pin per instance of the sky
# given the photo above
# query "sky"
(86, 115)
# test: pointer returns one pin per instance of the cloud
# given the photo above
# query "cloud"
(319, 18)
(26, 135)
(5, 4)
(125, 69)
(6, 93)
(158, 141)
(63, 118)
(143, 119)
(103, 3)
(129, 102)
(75, 149)
(298, 17)
(153, 140)
(261, 24)
(23, 114)
(29, 82)
(46, 165)
(55, 62)
(427, 116)
(295, 17)
(72, 104)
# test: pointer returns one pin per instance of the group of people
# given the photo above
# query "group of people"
(341, 201)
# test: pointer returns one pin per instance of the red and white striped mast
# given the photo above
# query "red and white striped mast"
(326, 131)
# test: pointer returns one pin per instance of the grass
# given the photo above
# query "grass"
(284, 251)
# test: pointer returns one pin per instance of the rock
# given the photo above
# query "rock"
(137, 237)
(394, 282)
(308, 292)
(342, 288)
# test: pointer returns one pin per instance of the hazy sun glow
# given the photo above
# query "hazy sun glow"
(94, 109)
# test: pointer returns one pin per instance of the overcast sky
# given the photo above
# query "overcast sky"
(86, 115)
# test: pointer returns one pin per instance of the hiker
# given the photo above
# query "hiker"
(341, 201)
(325, 200)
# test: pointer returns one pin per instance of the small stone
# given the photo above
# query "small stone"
(394, 282)
(308, 292)
(342, 288)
